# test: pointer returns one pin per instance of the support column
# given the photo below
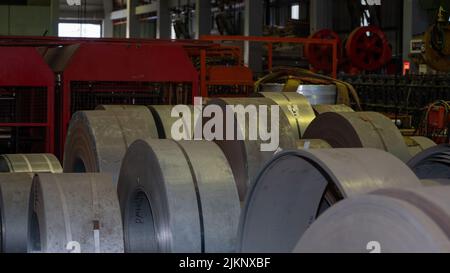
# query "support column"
(320, 15)
(407, 27)
(203, 18)
(254, 27)
(132, 19)
(107, 25)
(164, 22)
(54, 13)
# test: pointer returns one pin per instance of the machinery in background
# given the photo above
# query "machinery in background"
(414, 102)
(365, 49)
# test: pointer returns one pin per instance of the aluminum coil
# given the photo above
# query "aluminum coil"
(417, 144)
(14, 197)
(319, 94)
(432, 163)
(164, 121)
(29, 163)
(336, 108)
(97, 140)
(388, 220)
(74, 212)
(178, 197)
(296, 186)
(296, 107)
(245, 156)
(359, 130)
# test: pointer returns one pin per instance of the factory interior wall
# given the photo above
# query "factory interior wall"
(25, 20)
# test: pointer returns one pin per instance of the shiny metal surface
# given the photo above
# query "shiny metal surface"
(297, 186)
(324, 108)
(74, 209)
(417, 144)
(357, 130)
(185, 193)
(318, 94)
(97, 140)
(14, 196)
(245, 156)
(388, 220)
(432, 163)
(29, 163)
(296, 107)
(272, 87)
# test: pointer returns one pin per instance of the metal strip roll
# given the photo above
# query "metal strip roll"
(296, 107)
(388, 220)
(359, 130)
(432, 163)
(178, 197)
(312, 144)
(417, 144)
(29, 163)
(336, 108)
(164, 120)
(74, 213)
(14, 197)
(297, 186)
(435, 182)
(245, 156)
(97, 140)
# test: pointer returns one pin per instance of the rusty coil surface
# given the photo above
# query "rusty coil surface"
(178, 197)
(432, 163)
(297, 186)
(359, 130)
(29, 163)
(245, 156)
(387, 220)
(296, 107)
(336, 108)
(97, 140)
(14, 197)
(74, 213)
(417, 144)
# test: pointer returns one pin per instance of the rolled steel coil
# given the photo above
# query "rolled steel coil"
(74, 213)
(296, 107)
(336, 108)
(164, 121)
(97, 140)
(359, 130)
(432, 163)
(297, 186)
(388, 220)
(417, 144)
(245, 156)
(312, 144)
(29, 163)
(14, 196)
(435, 182)
(178, 197)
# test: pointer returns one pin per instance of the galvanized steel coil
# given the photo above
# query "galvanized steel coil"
(29, 163)
(164, 121)
(74, 213)
(432, 163)
(178, 197)
(14, 196)
(359, 130)
(336, 108)
(296, 107)
(245, 156)
(97, 140)
(297, 186)
(417, 144)
(387, 220)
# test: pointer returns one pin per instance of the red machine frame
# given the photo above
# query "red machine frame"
(24, 67)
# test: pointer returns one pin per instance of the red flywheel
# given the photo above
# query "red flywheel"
(321, 56)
